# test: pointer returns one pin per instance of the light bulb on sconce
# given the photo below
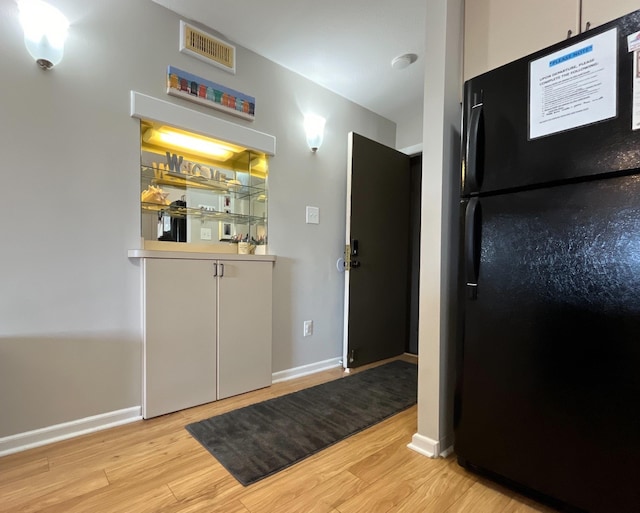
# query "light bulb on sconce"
(314, 128)
(45, 31)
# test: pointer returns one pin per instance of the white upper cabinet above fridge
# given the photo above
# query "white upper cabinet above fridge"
(597, 12)
(501, 31)
(497, 32)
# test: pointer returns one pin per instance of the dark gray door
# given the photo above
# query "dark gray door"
(378, 227)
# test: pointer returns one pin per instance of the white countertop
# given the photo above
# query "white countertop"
(197, 255)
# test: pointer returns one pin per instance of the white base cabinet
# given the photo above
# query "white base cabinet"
(244, 327)
(207, 330)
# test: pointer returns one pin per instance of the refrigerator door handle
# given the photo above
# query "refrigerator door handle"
(473, 150)
(471, 245)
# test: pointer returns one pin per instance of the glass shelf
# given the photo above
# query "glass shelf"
(184, 181)
(202, 213)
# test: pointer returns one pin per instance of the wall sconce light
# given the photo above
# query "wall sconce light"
(314, 128)
(45, 31)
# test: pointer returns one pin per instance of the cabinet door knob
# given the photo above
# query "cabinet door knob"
(587, 26)
(569, 33)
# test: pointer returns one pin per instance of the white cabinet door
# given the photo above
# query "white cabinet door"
(244, 327)
(179, 334)
(501, 31)
(597, 12)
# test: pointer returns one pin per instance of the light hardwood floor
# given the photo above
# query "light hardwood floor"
(155, 466)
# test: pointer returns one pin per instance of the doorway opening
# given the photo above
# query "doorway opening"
(413, 287)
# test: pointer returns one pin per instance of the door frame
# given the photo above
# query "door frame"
(345, 333)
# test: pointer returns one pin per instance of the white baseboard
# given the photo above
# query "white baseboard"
(50, 434)
(429, 447)
(304, 370)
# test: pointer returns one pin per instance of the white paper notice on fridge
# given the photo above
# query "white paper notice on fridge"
(633, 42)
(575, 86)
(635, 118)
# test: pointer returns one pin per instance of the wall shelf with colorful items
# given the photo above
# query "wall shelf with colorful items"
(204, 92)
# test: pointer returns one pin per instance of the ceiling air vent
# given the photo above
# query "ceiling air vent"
(206, 47)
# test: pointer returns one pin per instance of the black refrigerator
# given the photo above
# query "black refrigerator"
(548, 365)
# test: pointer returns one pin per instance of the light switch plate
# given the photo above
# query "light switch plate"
(308, 328)
(313, 215)
(205, 233)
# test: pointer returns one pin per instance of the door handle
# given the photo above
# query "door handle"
(472, 234)
(215, 270)
(355, 251)
(475, 150)
(350, 251)
(221, 270)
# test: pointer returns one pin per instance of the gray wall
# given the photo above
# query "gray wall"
(409, 130)
(70, 320)
(439, 228)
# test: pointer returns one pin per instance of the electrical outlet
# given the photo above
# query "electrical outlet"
(205, 233)
(308, 328)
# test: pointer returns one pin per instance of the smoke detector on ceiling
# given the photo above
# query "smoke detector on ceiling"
(404, 61)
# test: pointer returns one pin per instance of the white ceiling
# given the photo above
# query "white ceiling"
(344, 45)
